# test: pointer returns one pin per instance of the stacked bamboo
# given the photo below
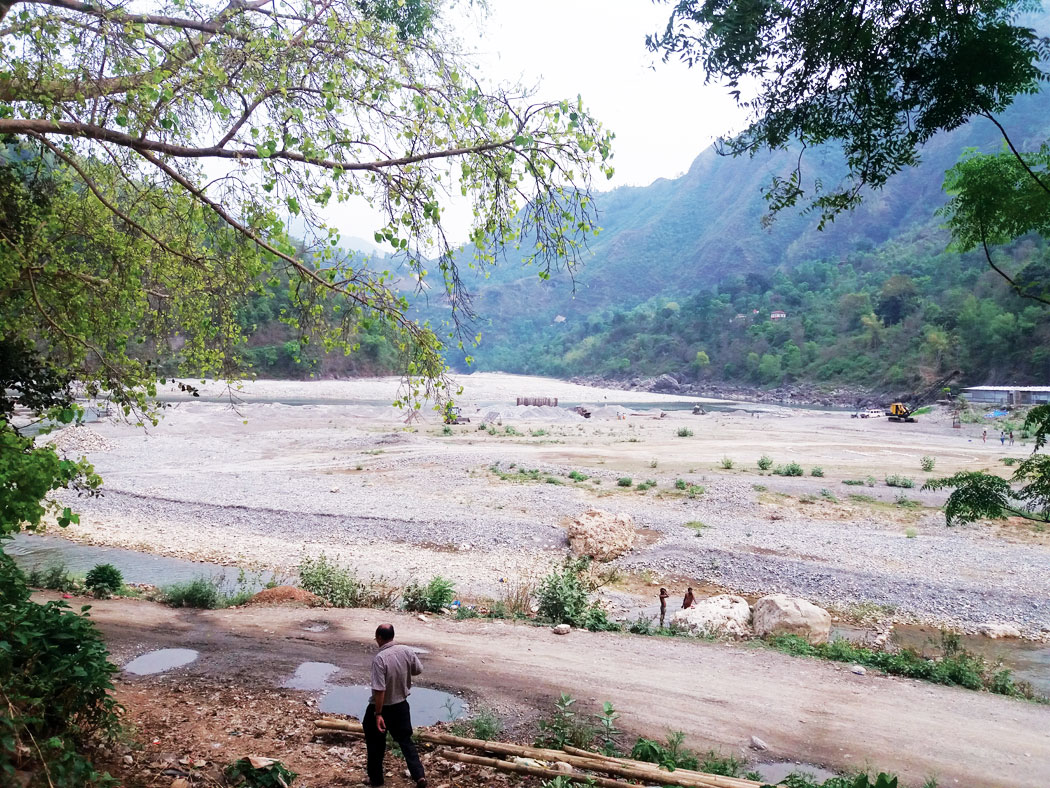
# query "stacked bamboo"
(620, 770)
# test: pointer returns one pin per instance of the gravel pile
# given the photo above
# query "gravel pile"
(78, 440)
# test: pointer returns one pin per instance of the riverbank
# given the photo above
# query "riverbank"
(268, 482)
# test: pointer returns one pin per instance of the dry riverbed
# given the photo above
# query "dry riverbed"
(296, 468)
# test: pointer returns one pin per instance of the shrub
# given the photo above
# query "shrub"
(562, 596)
(816, 470)
(727, 463)
(680, 484)
(431, 598)
(685, 432)
(54, 578)
(624, 481)
(896, 480)
(870, 481)
(907, 503)
(853, 482)
(860, 498)
(104, 580)
(57, 683)
(695, 490)
(642, 625)
(564, 725)
(828, 495)
(446, 430)
(484, 725)
(537, 433)
(647, 484)
(335, 585)
(509, 430)
(927, 462)
(200, 592)
(669, 756)
(275, 774)
(791, 469)
(576, 476)
(765, 462)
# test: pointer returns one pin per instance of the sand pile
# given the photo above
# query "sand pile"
(284, 595)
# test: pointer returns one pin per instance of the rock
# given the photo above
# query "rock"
(562, 766)
(996, 631)
(562, 629)
(601, 535)
(780, 614)
(180, 782)
(724, 614)
(665, 383)
(858, 670)
(129, 760)
(758, 744)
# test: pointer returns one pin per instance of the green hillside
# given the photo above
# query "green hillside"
(873, 300)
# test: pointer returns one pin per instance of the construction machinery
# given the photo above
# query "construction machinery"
(901, 411)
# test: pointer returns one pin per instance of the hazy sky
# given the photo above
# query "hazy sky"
(662, 113)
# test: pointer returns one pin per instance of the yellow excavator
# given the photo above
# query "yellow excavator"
(900, 411)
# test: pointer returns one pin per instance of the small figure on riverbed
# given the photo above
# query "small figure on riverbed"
(392, 670)
(689, 598)
(663, 604)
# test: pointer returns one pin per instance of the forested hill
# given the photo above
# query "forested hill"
(684, 277)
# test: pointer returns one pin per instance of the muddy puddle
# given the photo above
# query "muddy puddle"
(160, 661)
(32, 551)
(429, 706)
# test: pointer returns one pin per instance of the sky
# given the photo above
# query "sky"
(662, 113)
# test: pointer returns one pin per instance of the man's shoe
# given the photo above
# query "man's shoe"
(421, 782)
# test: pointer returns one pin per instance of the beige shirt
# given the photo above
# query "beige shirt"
(393, 667)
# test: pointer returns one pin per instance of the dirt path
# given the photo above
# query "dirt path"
(721, 695)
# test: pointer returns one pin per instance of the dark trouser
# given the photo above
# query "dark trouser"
(398, 721)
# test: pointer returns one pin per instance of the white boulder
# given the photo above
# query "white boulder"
(780, 614)
(724, 614)
(601, 535)
(996, 631)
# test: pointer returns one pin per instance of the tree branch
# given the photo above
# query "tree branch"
(1017, 288)
(103, 134)
(1016, 154)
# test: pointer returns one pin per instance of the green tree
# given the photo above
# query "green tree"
(879, 76)
(141, 107)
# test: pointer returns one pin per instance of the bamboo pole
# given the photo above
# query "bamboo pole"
(581, 759)
(521, 768)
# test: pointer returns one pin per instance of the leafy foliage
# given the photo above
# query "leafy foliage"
(878, 77)
(268, 774)
(565, 725)
(977, 495)
(104, 579)
(56, 685)
(433, 597)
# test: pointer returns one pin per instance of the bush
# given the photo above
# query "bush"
(680, 484)
(484, 725)
(335, 585)
(927, 463)
(201, 592)
(695, 490)
(576, 476)
(669, 756)
(685, 432)
(854, 482)
(104, 580)
(446, 430)
(624, 481)
(54, 578)
(816, 470)
(727, 463)
(431, 598)
(647, 484)
(896, 480)
(57, 682)
(566, 726)
(791, 469)
(765, 462)
(562, 596)
(274, 775)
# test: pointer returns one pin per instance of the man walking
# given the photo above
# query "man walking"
(392, 670)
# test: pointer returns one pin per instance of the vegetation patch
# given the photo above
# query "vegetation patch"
(433, 597)
(956, 666)
(896, 480)
(765, 462)
(790, 469)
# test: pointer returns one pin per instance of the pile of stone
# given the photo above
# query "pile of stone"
(77, 440)
(727, 615)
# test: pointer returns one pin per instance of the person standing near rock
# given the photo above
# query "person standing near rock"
(392, 670)
(689, 598)
(663, 604)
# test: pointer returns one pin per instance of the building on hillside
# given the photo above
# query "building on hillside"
(777, 314)
(1008, 395)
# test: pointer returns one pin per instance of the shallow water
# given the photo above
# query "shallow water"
(778, 770)
(311, 676)
(32, 551)
(429, 706)
(160, 661)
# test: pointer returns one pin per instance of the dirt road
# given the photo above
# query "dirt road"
(721, 695)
